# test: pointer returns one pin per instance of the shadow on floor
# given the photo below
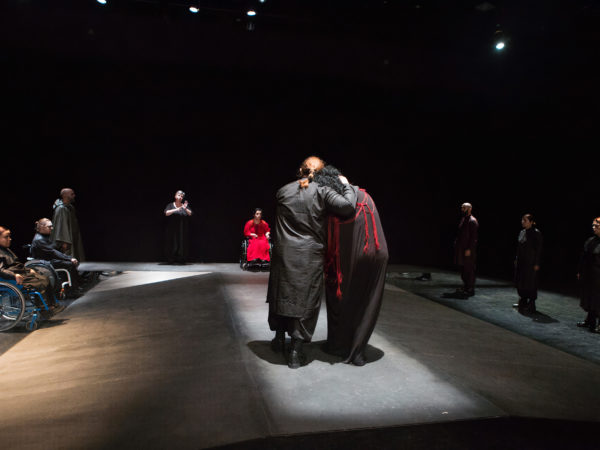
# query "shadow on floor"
(314, 352)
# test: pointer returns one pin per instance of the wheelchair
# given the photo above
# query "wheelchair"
(255, 265)
(18, 306)
(60, 279)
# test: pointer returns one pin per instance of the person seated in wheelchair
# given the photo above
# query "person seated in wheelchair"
(12, 269)
(43, 248)
(258, 233)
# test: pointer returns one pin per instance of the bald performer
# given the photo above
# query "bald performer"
(66, 227)
(465, 248)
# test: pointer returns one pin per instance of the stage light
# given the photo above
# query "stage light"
(251, 13)
(499, 39)
(194, 9)
(102, 2)
(261, 1)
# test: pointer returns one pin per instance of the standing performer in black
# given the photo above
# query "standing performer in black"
(465, 248)
(589, 277)
(527, 264)
(355, 269)
(296, 281)
(177, 241)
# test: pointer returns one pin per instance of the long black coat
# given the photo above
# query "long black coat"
(529, 253)
(300, 242)
(363, 257)
(466, 239)
(589, 271)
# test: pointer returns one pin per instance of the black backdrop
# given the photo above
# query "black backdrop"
(128, 106)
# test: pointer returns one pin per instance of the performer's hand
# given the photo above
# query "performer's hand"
(467, 253)
(185, 204)
(536, 267)
(19, 279)
(268, 235)
(74, 261)
(254, 235)
(343, 179)
(578, 276)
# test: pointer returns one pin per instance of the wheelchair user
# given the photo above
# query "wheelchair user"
(12, 269)
(258, 233)
(43, 248)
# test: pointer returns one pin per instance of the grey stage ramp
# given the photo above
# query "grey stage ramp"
(180, 358)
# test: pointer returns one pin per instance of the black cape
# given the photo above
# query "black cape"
(589, 271)
(363, 257)
(529, 252)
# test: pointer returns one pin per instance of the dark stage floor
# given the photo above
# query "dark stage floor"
(178, 357)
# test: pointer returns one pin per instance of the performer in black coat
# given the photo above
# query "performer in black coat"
(355, 269)
(527, 264)
(296, 280)
(589, 277)
(177, 232)
(465, 248)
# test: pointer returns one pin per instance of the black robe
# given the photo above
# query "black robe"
(296, 282)
(589, 275)
(177, 235)
(363, 257)
(529, 252)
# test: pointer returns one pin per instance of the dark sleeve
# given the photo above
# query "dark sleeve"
(473, 227)
(4, 271)
(47, 251)
(340, 205)
(168, 207)
(539, 243)
(62, 226)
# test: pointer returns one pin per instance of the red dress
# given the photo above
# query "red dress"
(258, 247)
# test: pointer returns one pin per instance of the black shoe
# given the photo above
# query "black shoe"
(425, 277)
(296, 358)
(57, 308)
(359, 360)
(278, 342)
(469, 292)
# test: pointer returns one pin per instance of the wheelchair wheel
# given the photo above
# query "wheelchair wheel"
(46, 269)
(31, 325)
(12, 306)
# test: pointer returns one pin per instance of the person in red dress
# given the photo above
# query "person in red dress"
(258, 233)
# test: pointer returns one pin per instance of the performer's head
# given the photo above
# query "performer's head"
(596, 226)
(309, 166)
(67, 195)
(527, 221)
(5, 238)
(44, 226)
(330, 176)
(179, 196)
(466, 209)
(257, 213)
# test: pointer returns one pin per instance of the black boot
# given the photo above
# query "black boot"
(278, 342)
(521, 304)
(589, 322)
(530, 307)
(296, 357)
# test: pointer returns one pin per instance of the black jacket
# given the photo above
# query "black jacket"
(9, 264)
(43, 248)
(300, 243)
